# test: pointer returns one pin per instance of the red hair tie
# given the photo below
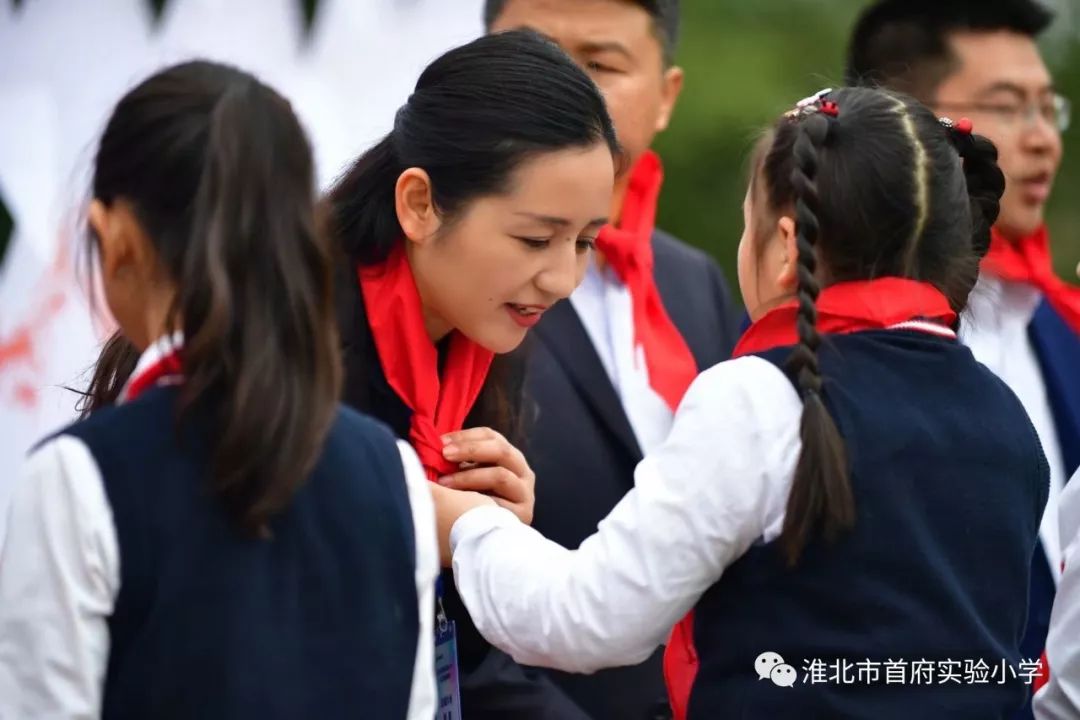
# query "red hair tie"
(963, 126)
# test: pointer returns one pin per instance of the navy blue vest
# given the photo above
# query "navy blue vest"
(319, 622)
(949, 481)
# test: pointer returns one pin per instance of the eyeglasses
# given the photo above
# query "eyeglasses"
(1057, 111)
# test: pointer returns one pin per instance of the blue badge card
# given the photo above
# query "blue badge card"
(446, 667)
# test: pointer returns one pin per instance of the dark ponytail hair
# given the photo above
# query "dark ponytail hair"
(882, 189)
(112, 369)
(821, 494)
(477, 113)
(219, 174)
(985, 183)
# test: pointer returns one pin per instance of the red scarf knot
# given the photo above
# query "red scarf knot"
(410, 360)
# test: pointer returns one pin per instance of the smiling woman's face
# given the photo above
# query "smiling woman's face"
(493, 270)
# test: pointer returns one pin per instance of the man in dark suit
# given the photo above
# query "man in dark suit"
(981, 60)
(608, 367)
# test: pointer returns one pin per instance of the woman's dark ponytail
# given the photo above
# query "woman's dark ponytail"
(821, 497)
(220, 174)
(361, 207)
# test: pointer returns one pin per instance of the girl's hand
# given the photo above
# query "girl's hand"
(491, 465)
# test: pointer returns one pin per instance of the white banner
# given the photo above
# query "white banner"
(64, 63)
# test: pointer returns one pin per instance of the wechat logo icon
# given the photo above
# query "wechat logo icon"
(770, 666)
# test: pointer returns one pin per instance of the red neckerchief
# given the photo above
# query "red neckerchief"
(842, 308)
(1027, 260)
(411, 364)
(628, 249)
(849, 307)
(165, 369)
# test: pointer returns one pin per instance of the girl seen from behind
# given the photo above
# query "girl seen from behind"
(225, 541)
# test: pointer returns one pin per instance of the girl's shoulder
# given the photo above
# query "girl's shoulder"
(748, 383)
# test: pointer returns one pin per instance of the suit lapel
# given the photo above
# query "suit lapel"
(1058, 350)
(563, 334)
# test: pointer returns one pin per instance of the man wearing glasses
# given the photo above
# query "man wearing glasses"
(979, 59)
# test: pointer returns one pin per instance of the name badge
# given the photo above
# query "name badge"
(446, 666)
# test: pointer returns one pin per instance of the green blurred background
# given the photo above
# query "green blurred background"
(748, 61)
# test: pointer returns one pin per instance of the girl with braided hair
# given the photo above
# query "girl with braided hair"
(830, 496)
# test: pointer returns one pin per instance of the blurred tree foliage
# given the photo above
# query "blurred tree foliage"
(747, 62)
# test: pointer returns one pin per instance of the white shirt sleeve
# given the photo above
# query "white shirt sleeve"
(1060, 698)
(59, 577)
(719, 482)
(422, 697)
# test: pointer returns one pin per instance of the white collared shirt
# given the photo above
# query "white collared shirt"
(1060, 698)
(695, 508)
(995, 327)
(605, 307)
(60, 577)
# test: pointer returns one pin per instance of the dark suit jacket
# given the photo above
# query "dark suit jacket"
(583, 450)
